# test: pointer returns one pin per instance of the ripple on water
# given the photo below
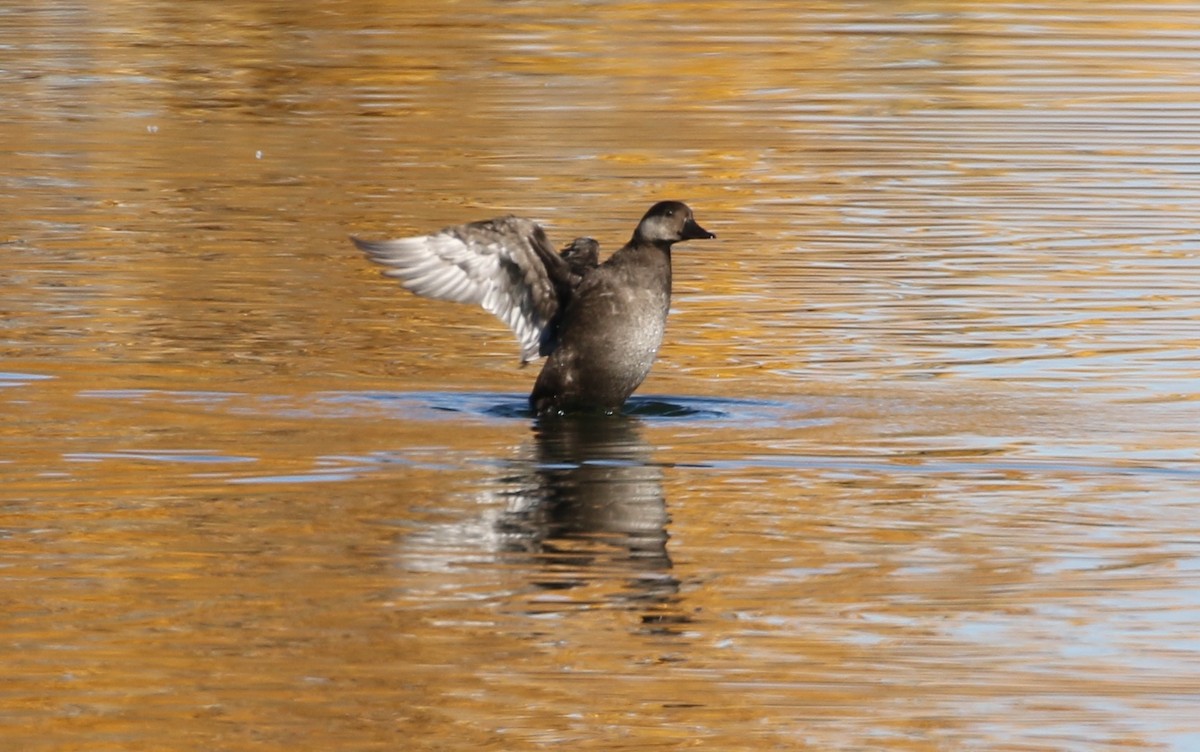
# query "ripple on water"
(722, 433)
(10, 379)
(439, 405)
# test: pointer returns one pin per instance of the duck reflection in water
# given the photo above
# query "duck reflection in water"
(591, 507)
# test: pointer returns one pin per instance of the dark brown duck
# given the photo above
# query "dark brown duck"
(599, 325)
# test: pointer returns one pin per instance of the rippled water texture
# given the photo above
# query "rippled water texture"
(917, 468)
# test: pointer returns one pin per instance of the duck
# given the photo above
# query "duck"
(599, 326)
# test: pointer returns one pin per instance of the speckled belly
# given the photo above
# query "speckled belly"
(601, 365)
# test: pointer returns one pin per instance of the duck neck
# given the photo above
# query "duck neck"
(646, 257)
(657, 255)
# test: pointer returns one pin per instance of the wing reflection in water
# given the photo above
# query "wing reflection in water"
(592, 507)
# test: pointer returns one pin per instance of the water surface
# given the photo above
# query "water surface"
(916, 470)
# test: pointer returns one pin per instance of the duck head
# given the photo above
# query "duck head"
(669, 222)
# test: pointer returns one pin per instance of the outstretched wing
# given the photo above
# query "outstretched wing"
(506, 265)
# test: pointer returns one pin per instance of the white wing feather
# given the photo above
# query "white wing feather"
(492, 264)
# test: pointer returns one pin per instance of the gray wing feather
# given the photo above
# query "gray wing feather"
(497, 264)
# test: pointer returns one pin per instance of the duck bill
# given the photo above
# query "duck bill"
(693, 231)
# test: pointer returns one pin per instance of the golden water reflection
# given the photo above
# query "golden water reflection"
(916, 469)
